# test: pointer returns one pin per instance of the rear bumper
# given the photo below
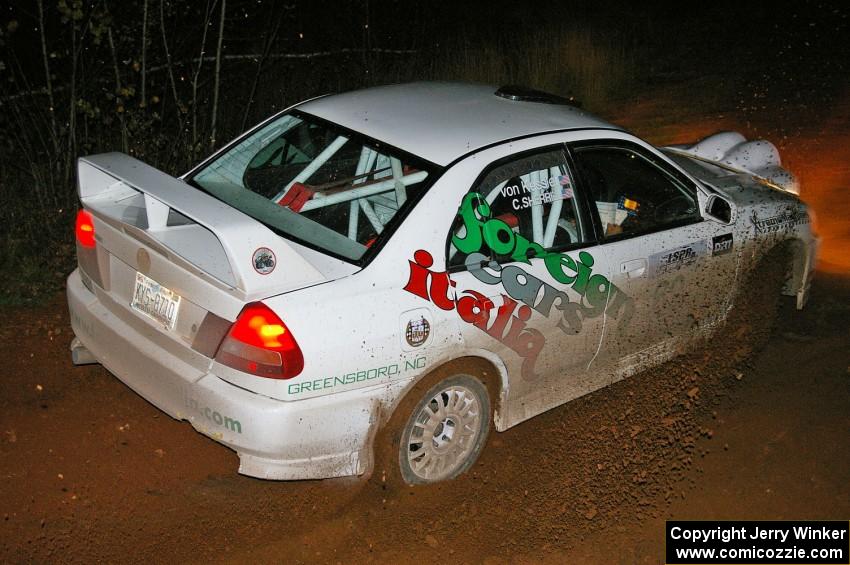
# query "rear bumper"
(320, 437)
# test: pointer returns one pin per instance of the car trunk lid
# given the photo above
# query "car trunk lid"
(156, 238)
(219, 240)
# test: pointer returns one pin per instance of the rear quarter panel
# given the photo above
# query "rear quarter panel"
(353, 331)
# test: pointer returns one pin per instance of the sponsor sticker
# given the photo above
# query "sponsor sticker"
(416, 329)
(783, 222)
(721, 244)
(674, 259)
(505, 312)
(264, 260)
(404, 366)
(417, 332)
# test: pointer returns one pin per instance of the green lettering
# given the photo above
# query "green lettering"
(584, 267)
(555, 263)
(493, 231)
(523, 246)
(597, 295)
(469, 213)
(620, 304)
(233, 425)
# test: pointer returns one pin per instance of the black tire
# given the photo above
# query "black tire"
(445, 432)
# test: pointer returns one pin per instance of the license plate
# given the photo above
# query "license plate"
(155, 301)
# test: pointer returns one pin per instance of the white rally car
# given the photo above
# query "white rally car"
(417, 264)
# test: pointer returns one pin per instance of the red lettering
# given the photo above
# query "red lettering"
(517, 325)
(440, 284)
(418, 281)
(475, 308)
(503, 316)
(528, 345)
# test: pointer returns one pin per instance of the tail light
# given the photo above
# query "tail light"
(260, 343)
(84, 229)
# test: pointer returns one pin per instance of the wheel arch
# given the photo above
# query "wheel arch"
(798, 275)
(482, 364)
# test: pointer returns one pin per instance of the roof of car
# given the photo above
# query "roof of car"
(441, 121)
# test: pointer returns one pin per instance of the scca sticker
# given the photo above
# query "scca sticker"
(417, 332)
(264, 260)
(416, 329)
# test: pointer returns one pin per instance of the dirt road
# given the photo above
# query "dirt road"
(91, 472)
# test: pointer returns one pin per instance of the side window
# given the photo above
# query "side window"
(632, 193)
(518, 210)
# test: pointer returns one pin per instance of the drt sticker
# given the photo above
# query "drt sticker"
(721, 244)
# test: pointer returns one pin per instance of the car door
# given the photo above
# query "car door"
(522, 256)
(676, 268)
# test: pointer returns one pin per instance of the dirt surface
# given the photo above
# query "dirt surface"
(91, 472)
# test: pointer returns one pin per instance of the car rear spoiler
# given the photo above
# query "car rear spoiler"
(251, 260)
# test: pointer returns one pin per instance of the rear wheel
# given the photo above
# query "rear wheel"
(446, 431)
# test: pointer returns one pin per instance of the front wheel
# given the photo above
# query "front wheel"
(446, 431)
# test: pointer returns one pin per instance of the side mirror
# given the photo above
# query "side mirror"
(719, 209)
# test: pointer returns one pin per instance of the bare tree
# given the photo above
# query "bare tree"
(71, 150)
(217, 74)
(48, 79)
(118, 90)
(270, 38)
(197, 74)
(144, 100)
(168, 64)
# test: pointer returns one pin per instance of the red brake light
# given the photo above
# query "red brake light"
(84, 229)
(260, 343)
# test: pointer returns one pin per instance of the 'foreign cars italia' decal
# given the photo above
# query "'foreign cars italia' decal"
(522, 290)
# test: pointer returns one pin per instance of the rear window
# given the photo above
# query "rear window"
(321, 185)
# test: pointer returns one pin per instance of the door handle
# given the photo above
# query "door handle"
(634, 268)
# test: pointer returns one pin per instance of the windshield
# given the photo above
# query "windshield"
(321, 185)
